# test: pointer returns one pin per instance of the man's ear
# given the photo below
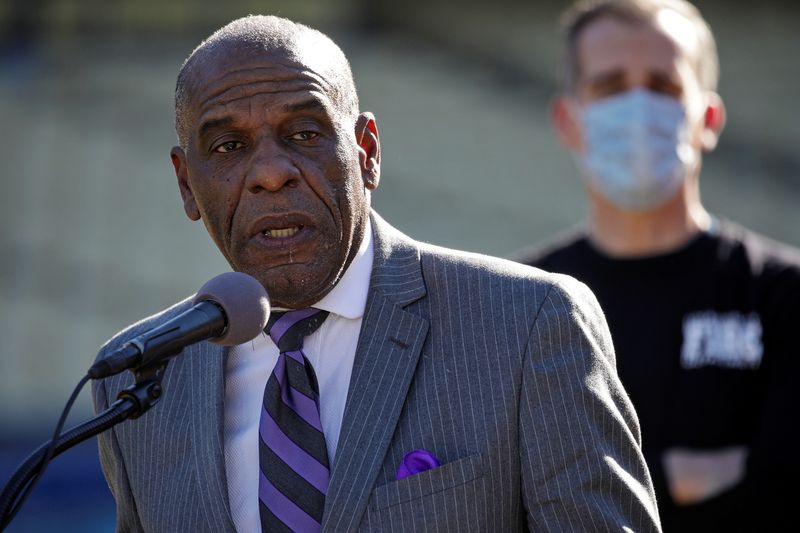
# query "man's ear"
(182, 172)
(566, 123)
(713, 121)
(369, 150)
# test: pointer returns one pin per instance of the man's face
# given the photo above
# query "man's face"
(615, 56)
(277, 171)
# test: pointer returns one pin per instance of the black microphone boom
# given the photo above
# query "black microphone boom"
(202, 321)
(230, 309)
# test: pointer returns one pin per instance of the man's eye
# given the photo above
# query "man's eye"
(603, 90)
(304, 136)
(229, 146)
(668, 90)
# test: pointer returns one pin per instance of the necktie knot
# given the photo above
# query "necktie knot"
(287, 329)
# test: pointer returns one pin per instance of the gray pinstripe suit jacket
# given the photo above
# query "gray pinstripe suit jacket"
(503, 372)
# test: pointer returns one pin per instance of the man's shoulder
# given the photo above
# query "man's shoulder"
(459, 279)
(478, 264)
(403, 253)
(763, 255)
(487, 274)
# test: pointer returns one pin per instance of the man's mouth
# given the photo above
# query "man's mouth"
(281, 233)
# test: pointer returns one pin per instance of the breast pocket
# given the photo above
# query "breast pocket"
(431, 484)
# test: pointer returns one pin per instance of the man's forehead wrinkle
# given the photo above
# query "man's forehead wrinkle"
(228, 82)
(226, 73)
(312, 103)
(214, 61)
(257, 89)
(218, 114)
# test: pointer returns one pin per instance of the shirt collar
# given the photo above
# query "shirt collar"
(348, 298)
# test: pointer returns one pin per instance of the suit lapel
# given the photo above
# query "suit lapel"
(389, 347)
(205, 371)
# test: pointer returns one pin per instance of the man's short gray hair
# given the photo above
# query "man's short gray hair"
(582, 13)
(267, 33)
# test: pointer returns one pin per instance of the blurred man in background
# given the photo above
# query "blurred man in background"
(702, 311)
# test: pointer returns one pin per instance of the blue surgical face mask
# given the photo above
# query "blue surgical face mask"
(637, 148)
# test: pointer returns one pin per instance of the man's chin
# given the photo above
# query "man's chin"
(294, 292)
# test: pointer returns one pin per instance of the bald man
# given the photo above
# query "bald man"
(421, 389)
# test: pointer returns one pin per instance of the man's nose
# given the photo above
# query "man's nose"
(271, 167)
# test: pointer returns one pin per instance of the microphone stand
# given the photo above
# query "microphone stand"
(131, 403)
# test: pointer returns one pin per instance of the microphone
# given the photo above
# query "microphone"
(230, 309)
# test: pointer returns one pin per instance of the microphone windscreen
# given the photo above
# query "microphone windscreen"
(244, 301)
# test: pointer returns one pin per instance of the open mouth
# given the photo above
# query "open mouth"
(281, 233)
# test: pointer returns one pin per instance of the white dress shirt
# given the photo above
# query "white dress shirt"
(331, 350)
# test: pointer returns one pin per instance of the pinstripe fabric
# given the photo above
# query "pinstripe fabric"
(505, 373)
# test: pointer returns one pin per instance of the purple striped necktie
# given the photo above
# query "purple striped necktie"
(292, 454)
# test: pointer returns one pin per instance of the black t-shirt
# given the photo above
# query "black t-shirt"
(706, 339)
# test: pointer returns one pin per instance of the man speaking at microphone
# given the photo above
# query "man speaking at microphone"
(407, 387)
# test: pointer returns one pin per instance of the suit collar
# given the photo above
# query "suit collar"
(389, 347)
(396, 269)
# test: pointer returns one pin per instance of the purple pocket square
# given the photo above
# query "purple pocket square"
(416, 461)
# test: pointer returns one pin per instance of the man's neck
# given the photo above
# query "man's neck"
(627, 234)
